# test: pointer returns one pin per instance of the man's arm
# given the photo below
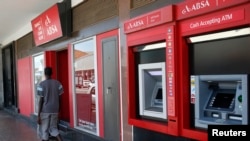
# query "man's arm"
(61, 91)
(40, 106)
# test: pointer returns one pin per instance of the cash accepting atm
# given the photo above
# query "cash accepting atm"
(152, 90)
(221, 100)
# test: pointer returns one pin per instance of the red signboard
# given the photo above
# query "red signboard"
(191, 8)
(148, 20)
(47, 26)
(205, 22)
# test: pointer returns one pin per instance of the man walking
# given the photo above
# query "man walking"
(49, 92)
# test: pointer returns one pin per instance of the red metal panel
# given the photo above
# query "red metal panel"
(25, 89)
(131, 87)
(149, 35)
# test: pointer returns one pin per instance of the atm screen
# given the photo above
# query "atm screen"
(222, 100)
(157, 102)
(159, 94)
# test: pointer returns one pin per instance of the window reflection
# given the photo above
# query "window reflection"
(38, 66)
(84, 74)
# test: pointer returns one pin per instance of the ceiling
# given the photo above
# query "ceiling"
(15, 14)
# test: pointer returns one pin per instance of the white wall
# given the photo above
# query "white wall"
(27, 28)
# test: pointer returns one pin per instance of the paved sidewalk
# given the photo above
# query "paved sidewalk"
(14, 129)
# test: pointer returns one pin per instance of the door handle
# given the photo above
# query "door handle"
(108, 90)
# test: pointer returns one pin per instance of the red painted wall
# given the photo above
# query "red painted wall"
(50, 61)
(62, 76)
(25, 86)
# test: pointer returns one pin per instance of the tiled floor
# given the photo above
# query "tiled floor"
(12, 129)
(16, 129)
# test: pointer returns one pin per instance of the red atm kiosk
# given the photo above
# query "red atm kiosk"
(151, 71)
(214, 40)
(177, 51)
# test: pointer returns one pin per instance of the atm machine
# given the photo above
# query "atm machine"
(152, 90)
(221, 100)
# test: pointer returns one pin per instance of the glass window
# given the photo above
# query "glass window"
(38, 75)
(84, 61)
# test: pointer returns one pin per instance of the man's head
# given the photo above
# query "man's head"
(48, 71)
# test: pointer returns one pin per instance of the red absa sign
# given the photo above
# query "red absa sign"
(191, 8)
(47, 26)
(151, 19)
